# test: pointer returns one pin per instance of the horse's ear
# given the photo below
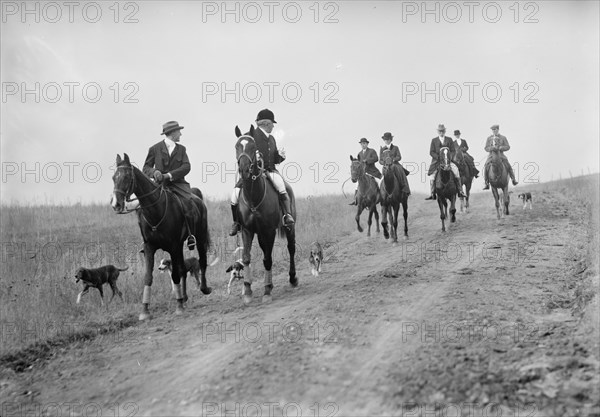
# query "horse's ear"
(351, 158)
(238, 132)
(119, 160)
(126, 159)
(251, 130)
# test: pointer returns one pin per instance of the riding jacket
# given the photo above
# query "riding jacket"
(177, 164)
(434, 151)
(501, 144)
(369, 157)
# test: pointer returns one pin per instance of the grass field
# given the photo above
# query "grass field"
(43, 246)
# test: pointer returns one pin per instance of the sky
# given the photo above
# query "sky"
(85, 81)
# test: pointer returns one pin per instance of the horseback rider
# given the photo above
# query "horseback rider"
(167, 164)
(394, 153)
(368, 156)
(437, 143)
(499, 143)
(266, 145)
(461, 144)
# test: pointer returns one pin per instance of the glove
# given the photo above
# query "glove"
(158, 176)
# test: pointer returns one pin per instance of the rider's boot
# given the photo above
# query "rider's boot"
(235, 227)
(288, 220)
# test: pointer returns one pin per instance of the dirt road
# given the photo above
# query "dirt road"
(480, 320)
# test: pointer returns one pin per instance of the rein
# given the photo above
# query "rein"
(130, 189)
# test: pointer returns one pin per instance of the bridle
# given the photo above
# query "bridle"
(258, 162)
(445, 165)
(129, 190)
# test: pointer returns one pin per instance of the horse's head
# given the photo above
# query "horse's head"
(123, 181)
(444, 158)
(250, 162)
(357, 169)
(459, 156)
(386, 158)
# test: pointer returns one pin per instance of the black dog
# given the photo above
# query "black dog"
(97, 277)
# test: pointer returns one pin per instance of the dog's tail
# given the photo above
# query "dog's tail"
(215, 261)
(123, 269)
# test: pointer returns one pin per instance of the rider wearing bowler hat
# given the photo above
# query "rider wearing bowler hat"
(168, 164)
(266, 145)
(369, 157)
(499, 143)
(394, 153)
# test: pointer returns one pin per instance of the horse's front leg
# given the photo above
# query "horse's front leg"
(247, 238)
(266, 241)
(453, 209)
(177, 277)
(384, 221)
(149, 259)
(506, 200)
(442, 206)
(377, 229)
(359, 210)
(291, 245)
(405, 214)
(395, 222)
(202, 260)
(496, 202)
(370, 221)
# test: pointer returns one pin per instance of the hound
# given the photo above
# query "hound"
(315, 258)
(526, 198)
(96, 278)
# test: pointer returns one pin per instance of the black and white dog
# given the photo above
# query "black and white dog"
(237, 272)
(192, 266)
(316, 258)
(526, 198)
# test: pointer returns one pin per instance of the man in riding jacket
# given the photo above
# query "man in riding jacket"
(266, 145)
(499, 143)
(369, 157)
(167, 164)
(437, 143)
(394, 153)
(461, 144)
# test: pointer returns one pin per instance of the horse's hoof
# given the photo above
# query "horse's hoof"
(247, 299)
(185, 298)
(267, 299)
(145, 316)
(178, 311)
(360, 229)
(294, 281)
(453, 219)
(206, 290)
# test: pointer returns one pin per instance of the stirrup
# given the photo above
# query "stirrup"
(487, 187)
(290, 220)
(191, 242)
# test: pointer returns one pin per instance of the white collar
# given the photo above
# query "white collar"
(264, 131)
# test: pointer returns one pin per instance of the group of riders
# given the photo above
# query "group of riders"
(167, 162)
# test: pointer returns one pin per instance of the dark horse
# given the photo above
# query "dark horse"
(163, 226)
(367, 195)
(260, 214)
(466, 177)
(498, 177)
(445, 188)
(392, 195)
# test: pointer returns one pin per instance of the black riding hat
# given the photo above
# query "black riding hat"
(266, 114)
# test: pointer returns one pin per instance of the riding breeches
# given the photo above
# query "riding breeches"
(275, 178)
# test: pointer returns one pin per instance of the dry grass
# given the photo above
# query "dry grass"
(42, 247)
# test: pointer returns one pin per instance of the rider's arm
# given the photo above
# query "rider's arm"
(504, 146)
(371, 157)
(396, 156)
(277, 157)
(465, 146)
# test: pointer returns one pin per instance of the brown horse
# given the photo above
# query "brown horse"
(392, 195)
(445, 188)
(498, 178)
(466, 177)
(163, 226)
(260, 214)
(367, 195)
